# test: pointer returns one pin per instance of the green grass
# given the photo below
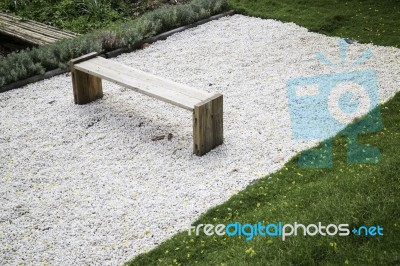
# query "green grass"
(358, 194)
(367, 21)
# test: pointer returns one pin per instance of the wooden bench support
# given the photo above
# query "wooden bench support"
(87, 88)
(89, 70)
(208, 125)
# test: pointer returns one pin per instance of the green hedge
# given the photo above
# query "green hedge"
(30, 62)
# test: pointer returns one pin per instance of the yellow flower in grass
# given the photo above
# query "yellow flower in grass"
(250, 251)
(333, 245)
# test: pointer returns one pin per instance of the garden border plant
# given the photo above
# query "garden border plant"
(17, 68)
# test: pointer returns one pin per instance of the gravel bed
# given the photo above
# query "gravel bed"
(87, 185)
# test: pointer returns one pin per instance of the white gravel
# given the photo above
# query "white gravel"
(86, 185)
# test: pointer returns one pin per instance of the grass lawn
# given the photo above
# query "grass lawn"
(356, 194)
(363, 20)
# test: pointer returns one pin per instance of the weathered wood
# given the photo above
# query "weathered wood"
(26, 35)
(86, 87)
(31, 31)
(83, 58)
(208, 125)
(145, 83)
(155, 81)
(30, 24)
(36, 29)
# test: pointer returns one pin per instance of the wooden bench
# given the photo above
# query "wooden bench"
(88, 71)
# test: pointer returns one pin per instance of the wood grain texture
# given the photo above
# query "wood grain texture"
(31, 31)
(83, 58)
(208, 129)
(86, 87)
(143, 82)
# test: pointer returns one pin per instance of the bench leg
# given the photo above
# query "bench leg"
(208, 125)
(87, 88)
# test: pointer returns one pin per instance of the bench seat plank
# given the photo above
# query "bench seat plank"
(145, 83)
(158, 81)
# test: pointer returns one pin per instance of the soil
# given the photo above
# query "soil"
(4, 51)
(8, 45)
